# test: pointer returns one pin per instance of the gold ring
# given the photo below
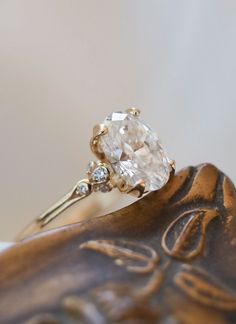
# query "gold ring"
(130, 158)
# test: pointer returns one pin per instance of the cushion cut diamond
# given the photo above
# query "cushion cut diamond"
(134, 151)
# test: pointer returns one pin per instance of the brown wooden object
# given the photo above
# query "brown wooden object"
(168, 258)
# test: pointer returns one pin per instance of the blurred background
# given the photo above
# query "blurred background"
(66, 64)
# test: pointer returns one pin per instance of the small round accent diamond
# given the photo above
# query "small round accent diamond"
(100, 174)
(82, 188)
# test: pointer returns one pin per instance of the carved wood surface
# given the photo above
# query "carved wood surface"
(168, 258)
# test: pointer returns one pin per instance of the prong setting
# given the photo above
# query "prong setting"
(118, 143)
(172, 164)
(139, 190)
(172, 167)
(98, 131)
(133, 111)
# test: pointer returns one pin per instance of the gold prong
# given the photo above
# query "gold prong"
(98, 130)
(138, 190)
(173, 164)
(133, 111)
(173, 167)
(121, 185)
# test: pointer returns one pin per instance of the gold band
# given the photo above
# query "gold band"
(68, 200)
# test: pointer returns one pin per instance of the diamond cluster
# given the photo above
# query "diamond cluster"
(98, 179)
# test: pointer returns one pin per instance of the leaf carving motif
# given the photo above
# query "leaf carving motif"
(82, 310)
(43, 318)
(185, 236)
(134, 256)
(199, 286)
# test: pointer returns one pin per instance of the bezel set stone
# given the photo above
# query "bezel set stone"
(99, 175)
(83, 188)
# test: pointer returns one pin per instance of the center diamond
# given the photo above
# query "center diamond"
(134, 151)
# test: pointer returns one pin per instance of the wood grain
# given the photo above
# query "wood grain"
(168, 258)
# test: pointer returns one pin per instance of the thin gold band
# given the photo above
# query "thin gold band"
(68, 200)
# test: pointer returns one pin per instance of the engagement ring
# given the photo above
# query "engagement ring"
(130, 158)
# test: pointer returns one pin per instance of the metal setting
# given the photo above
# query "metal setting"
(133, 111)
(98, 131)
(100, 177)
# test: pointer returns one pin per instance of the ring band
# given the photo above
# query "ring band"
(130, 158)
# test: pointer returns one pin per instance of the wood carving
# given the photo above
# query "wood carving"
(126, 254)
(168, 258)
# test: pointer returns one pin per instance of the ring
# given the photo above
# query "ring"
(130, 158)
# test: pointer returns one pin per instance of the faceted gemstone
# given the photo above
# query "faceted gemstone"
(134, 151)
(100, 174)
(82, 188)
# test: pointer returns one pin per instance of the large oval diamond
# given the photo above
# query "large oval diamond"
(134, 151)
